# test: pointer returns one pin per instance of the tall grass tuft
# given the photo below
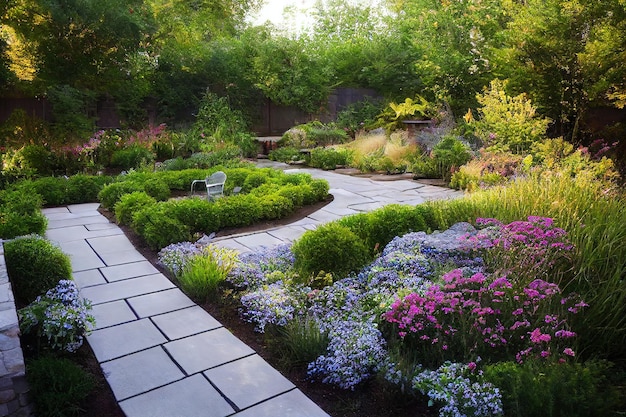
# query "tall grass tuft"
(595, 218)
(203, 273)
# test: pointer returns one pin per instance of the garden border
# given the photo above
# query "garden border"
(15, 400)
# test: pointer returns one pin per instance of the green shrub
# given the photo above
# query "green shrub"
(239, 210)
(34, 266)
(297, 178)
(132, 157)
(157, 188)
(295, 193)
(328, 158)
(131, 203)
(53, 190)
(324, 134)
(254, 180)
(85, 188)
(391, 221)
(199, 214)
(330, 248)
(286, 154)
(555, 390)
(20, 214)
(358, 116)
(275, 206)
(358, 223)
(111, 193)
(58, 386)
(203, 273)
(320, 189)
(158, 228)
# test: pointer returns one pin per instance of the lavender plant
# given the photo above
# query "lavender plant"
(60, 316)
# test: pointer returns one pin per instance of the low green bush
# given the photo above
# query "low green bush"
(34, 266)
(358, 223)
(275, 206)
(157, 188)
(131, 203)
(295, 193)
(254, 180)
(84, 188)
(328, 158)
(132, 157)
(331, 248)
(20, 214)
(286, 154)
(158, 227)
(111, 193)
(58, 386)
(391, 221)
(556, 390)
(320, 190)
(239, 210)
(53, 190)
(199, 214)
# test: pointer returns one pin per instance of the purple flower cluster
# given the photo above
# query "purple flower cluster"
(471, 314)
(524, 248)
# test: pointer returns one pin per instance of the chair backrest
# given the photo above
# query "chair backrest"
(218, 177)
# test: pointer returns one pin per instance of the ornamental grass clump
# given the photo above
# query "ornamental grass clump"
(203, 273)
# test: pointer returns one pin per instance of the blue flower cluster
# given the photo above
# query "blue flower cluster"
(60, 316)
(272, 304)
(176, 256)
(253, 268)
(460, 391)
(355, 352)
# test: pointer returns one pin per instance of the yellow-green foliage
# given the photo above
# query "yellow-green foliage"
(508, 123)
(203, 273)
(379, 152)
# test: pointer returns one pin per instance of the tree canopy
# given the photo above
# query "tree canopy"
(565, 55)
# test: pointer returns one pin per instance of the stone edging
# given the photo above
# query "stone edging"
(14, 392)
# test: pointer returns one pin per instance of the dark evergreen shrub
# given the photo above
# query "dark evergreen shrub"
(34, 266)
(131, 203)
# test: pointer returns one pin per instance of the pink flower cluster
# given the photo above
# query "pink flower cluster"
(477, 314)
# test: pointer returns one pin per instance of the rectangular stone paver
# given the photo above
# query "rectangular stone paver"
(257, 240)
(160, 302)
(112, 314)
(114, 342)
(207, 350)
(107, 244)
(248, 381)
(190, 397)
(140, 372)
(127, 288)
(291, 404)
(185, 322)
(81, 255)
(73, 220)
(88, 278)
(123, 257)
(80, 208)
(131, 270)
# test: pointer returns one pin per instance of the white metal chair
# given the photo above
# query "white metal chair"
(214, 185)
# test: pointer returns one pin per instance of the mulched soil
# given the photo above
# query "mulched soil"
(371, 400)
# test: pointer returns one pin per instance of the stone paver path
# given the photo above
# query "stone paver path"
(163, 355)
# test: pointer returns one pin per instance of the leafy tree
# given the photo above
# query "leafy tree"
(508, 123)
(452, 41)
